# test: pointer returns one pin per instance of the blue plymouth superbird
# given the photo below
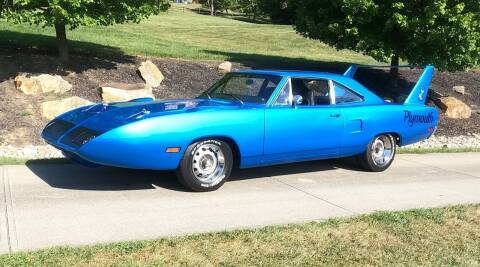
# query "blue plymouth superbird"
(247, 119)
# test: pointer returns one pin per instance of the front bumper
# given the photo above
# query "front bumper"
(117, 148)
(67, 135)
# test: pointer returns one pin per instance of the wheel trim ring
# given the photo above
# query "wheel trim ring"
(382, 150)
(215, 171)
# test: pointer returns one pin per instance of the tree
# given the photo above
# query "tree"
(212, 7)
(445, 33)
(219, 5)
(279, 11)
(226, 5)
(75, 13)
(250, 8)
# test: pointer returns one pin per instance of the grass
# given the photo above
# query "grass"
(422, 237)
(25, 114)
(188, 35)
(12, 161)
(18, 161)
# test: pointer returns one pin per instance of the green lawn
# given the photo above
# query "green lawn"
(424, 237)
(18, 161)
(187, 35)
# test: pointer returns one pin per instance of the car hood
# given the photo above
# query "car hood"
(104, 117)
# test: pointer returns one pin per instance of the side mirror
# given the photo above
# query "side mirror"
(297, 100)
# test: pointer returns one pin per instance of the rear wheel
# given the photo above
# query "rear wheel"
(379, 154)
(206, 165)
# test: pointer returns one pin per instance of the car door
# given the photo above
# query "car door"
(312, 129)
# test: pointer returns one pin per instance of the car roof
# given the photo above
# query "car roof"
(351, 83)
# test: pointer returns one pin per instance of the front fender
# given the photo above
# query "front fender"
(143, 144)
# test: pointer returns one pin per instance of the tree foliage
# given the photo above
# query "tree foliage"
(250, 7)
(279, 11)
(220, 5)
(75, 13)
(247, 7)
(445, 33)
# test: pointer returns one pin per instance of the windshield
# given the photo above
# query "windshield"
(244, 87)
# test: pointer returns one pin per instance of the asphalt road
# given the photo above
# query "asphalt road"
(43, 205)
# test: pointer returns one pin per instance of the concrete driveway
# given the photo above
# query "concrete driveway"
(43, 205)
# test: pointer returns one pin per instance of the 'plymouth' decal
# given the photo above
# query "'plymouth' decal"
(411, 119)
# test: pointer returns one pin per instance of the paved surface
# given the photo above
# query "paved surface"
(42, 205)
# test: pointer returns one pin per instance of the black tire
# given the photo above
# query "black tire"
(202, 157)
(368, 160)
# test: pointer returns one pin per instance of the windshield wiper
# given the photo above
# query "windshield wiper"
(208, 95)
(234, 97)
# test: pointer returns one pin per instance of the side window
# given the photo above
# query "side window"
(343, 95)
(315, 92)
(284, 98)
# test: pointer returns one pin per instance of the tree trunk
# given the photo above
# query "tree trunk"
(61, 41)
(212, 8)
(394, 65)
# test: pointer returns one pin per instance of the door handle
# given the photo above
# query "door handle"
(335, 115)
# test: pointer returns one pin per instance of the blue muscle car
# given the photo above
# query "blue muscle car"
(247, 119)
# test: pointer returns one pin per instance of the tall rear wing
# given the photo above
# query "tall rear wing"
(350, 73)
(418, 95)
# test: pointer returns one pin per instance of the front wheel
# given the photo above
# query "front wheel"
(206, 165)
(379, 154)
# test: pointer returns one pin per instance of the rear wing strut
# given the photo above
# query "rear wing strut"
(418, 95)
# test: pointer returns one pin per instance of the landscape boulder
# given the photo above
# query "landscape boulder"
(51, 109)
(459, 89)
(225, 66)
(44, 83)
(453, 108)
(150, 74)
(28, 86)
(119, 92)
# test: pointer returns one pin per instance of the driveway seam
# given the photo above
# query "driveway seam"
(5, 209)
(13, 225)
(315, 196)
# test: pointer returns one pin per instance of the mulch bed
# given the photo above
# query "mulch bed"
(21, 122)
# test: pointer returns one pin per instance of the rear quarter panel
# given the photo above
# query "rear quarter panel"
(412, 123)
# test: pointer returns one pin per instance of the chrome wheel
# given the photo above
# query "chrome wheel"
(382, 150)
(208, 164)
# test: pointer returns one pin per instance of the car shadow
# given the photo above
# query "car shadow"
(64, 175)
(76, 177)
(294, 168)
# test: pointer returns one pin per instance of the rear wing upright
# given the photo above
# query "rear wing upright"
(418, 95)
(350, 73)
